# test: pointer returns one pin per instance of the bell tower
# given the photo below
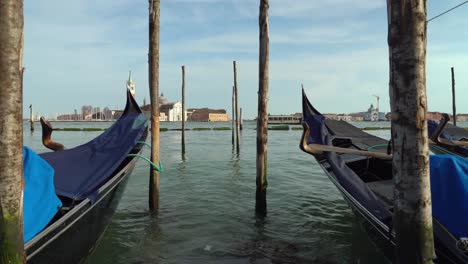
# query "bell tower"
(130, 84)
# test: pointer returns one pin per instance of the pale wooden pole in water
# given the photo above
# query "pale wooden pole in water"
(11, 140)
(236, 106)
(154, 10)
(412, 218)
(454, 105)
(183, 110)
(31, 117)
(233, 119)
(262, 119)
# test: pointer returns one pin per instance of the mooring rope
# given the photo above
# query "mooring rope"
(160, 168)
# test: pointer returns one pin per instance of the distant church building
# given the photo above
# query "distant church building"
(372, 114)
(167, 111)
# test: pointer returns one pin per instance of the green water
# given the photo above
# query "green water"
(207, 204)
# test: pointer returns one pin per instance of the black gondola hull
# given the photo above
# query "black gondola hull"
(354, 174)
(74, 236)
(89, 196)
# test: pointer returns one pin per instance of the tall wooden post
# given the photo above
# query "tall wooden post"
(236, 106)
(262, 119)
(183, 110)
(11, 140)
(31, 117)
(154, 12)
(454, 105)
(240, 119)
(233, 119)
(412, 206)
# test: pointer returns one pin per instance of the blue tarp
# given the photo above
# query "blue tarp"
(449, 189)
(40, 203)
(80, 171)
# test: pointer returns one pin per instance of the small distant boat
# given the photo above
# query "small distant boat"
(89, 181)
(360, 167)
(447, 138)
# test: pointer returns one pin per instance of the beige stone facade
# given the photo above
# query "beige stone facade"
(218, 117)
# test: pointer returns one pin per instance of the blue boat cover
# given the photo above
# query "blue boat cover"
(40, 203)
(79, 172)
(449, 189)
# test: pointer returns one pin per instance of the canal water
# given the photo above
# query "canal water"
(207, 203)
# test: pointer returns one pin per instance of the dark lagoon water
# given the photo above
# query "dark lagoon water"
(207, 203)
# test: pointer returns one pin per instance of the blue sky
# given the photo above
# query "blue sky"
(79, 52)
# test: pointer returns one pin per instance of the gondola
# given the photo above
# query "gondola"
(89, 181)
(447, 138)
(360, 167)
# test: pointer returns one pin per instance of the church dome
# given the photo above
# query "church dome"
(163, 99)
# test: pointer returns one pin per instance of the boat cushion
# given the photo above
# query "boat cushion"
(449, 189)
(40, 203)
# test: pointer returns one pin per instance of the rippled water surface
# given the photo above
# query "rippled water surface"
(207, 204)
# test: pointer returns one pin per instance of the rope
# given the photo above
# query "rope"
(160, 168)
(443, 13)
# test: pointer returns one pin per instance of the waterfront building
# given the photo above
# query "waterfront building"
(168, 112)
(330, 116)
(343, 117)
(462, 117)
(162, 117)
(357, 118)
(372, 114)
(207, 115)
(173, 111)
(285, 119)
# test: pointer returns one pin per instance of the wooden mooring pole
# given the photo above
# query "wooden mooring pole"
(236, 96)
(31, 117)
(240, 120)
(154, 13)
(11, 140)
(454, 104)
(412, 217)
(183, 110)
(233, 119)
(262, 119)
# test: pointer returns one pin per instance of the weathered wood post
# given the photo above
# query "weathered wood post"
(236, 106)
(240, 120)
(31, 117)
(183, 110)
(262, 119)
(454, 105)
(412, 216)
(154, 13)
(11, 140)
(233, 119)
